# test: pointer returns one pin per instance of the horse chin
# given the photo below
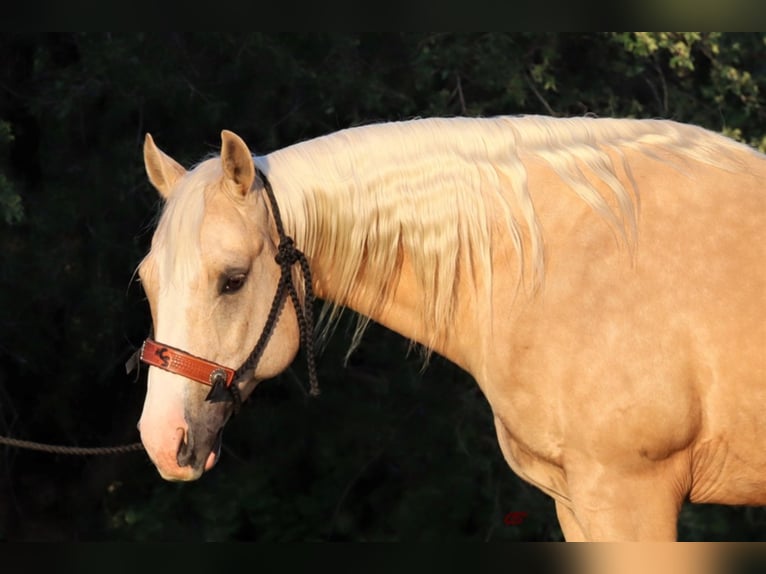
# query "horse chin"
(182, 474)
(215, 453)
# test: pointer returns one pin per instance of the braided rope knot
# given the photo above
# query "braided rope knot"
(287, 254)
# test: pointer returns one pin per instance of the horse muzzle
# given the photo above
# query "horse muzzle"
(189, 456)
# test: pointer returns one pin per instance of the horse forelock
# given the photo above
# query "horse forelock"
(176, 241)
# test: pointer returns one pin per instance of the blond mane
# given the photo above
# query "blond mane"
(177, 234)
(428, 188)
(362, 195)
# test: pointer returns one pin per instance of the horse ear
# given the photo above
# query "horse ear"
(163, 170)
(237, 161)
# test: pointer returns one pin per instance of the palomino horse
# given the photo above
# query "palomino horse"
(603, 280)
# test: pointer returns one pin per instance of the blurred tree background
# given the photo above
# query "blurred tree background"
(387, 452)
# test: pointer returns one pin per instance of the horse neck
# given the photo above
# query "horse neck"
(436, 192)
(397, 306)
(350, 271)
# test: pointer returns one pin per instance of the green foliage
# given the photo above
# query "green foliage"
(700, 73)
(387, 452)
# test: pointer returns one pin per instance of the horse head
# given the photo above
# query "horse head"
(209, 278)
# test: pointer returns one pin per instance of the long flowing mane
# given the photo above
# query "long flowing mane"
(363, 196)
(432, 188)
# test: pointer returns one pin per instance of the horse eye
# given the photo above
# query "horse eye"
(233, 283)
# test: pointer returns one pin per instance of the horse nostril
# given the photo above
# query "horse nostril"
(185, 455)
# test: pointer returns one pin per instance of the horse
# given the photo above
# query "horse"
(603, 280)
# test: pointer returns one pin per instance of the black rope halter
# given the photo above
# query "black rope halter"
(287, 256)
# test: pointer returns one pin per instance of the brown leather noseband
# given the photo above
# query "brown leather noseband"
(182, 363)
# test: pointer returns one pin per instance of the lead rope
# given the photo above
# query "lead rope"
(75, 450)
(287, 256)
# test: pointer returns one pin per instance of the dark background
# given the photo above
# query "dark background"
(388, 452)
